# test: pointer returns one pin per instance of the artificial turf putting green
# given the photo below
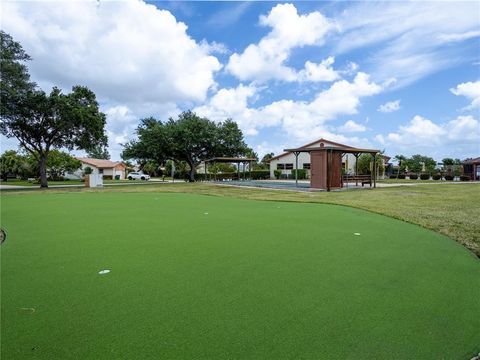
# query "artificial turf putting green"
(202, 277)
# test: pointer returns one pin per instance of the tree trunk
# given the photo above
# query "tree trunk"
(192, 174)
(43, 171)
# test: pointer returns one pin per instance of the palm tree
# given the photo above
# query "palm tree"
(400, 159)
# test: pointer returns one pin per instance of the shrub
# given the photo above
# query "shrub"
(413, 176)
(393, 176)
(117, 177)
(465, 178)
(107, 177)
(425, 176)
(277, 174)
(260, 174)
(302, 174)
(449, 177)
(88, 170)
(401, 176)
(437, 177)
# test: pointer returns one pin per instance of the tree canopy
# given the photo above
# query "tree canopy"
(100, 151)
(365, 161)
(40, 121)
(188, 138)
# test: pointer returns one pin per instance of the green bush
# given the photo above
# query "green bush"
(302, 174)
(88, 170)
(449, 177)
(425, 176)
(437, 177)
(277, 174)
(260, 174)
(107, 177)
(393, 176)
(413, 176)
(401, 176)
(117, 177)
(465, 178)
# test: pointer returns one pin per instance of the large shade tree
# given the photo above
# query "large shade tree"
(40, 121)
(188, 138)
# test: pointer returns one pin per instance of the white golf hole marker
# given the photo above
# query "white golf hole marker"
(205, 213)
(103, 272)
(357, 234)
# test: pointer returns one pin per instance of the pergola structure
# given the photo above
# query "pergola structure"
(235, 160)
(471, 167)
(326, 165)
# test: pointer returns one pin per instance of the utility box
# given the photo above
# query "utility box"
(95, 180)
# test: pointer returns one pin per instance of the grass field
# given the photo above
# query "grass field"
(450, 209)
(217, 277)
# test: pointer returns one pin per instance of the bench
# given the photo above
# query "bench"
(364, 179)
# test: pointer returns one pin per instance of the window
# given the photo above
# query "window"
(306, 166)
(100, 171)
(280, 166)
(288, 166)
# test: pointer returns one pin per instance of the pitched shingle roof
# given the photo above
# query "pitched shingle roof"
(99, 163)
(310, 144)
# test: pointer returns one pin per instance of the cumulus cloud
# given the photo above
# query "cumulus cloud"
(471, 90)
(127, 52)
(422, 133)
(389, 107)
(322, 71)
(266, 60)
(351, 126)
(301, 121)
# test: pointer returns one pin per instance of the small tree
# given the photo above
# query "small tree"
(10, 163)
(59, 163)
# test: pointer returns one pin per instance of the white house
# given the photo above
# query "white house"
(99, 166)
(286, 162)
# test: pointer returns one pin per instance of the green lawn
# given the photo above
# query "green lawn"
(210, 277)
(17, 182)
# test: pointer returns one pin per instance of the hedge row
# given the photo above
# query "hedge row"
(255, 175)
(302, 174)
(426, 176)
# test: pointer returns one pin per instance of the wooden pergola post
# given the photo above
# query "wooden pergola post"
(296, 153)
(356, 168)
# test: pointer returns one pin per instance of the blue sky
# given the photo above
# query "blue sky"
(399, 76)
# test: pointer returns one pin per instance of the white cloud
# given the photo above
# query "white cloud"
(301, 121)
(459, 137)
(455, 37)
(232, 103)
(266, 60)
(413, 47)
(322, 71)
(471, 90)
(127, 52)
(390, 106)
(351, 126)
(418, 130)
(214, 47)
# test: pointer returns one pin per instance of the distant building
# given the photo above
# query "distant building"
(106, 168)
